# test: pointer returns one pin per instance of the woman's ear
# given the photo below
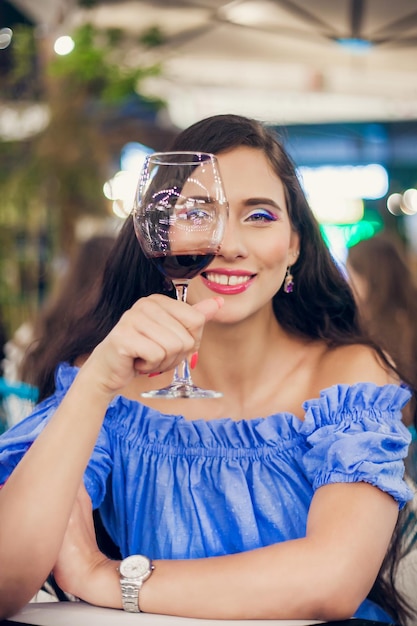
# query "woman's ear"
(294, 249)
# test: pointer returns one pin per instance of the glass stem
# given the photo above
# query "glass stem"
(182, 371)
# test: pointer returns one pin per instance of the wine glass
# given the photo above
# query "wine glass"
(179, 215)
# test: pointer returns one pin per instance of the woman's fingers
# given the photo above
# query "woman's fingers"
(209, 307)
(169, 336)
(160, 333)
(153, 336)
(166, 311)
(169, 333)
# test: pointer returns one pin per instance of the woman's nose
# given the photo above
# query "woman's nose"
(233, 243)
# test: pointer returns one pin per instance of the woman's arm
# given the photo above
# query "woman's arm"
(37, 499)
(325, 575)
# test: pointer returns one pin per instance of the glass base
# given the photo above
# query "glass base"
(181, 390)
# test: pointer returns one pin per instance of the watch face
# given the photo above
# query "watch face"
(135, 566)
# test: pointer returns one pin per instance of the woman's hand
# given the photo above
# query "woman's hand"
(81, 569)
(153, 336)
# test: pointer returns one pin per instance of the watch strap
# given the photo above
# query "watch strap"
(130, 595)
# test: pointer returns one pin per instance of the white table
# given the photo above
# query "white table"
(81, 614)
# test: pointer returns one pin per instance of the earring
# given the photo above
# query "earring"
(289, 281)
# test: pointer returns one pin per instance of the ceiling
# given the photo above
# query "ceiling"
(283, 61)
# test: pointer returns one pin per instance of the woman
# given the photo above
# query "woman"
(31, 343)
(277, 500)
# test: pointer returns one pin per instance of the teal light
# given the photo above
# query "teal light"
(355, 45)
(351, 233)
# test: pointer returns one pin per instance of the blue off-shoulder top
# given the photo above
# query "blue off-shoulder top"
(173, 488)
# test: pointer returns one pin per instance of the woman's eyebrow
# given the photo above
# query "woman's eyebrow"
(256, 201)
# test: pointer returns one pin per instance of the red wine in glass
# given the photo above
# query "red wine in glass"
(182, 266)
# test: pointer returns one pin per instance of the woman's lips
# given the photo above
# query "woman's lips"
(227, 282)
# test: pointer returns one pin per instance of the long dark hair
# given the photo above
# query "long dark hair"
(321, 307)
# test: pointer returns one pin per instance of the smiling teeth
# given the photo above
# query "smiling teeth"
(222, 279)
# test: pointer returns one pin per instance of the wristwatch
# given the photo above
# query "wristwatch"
(133, 570)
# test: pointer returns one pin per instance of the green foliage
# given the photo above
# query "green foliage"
(152, 37)
(22, 78)
(85, 64)
(23, 51)
(93, 66)
(115, 36)
(50, 181)
(87, 4)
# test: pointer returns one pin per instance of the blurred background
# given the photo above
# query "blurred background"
(89, 87)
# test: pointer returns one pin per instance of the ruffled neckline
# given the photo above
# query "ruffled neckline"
(332, 401)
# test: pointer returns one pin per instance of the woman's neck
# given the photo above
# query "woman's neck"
(234, 353)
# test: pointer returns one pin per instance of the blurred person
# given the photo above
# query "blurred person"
(27, 353)
(386, 294)
(73, 295)
(3, 340)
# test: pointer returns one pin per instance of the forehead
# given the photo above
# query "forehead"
(247, 173)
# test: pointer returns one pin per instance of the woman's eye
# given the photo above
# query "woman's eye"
(262, 216)
(197, 215)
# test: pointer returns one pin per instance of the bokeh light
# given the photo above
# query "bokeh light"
(64, 45)
(6, 35)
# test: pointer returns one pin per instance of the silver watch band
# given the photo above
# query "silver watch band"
(130, 596)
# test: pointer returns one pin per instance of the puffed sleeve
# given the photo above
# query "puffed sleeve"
(355, 434)
(15, 442)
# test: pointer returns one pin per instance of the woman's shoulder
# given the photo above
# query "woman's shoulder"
(353, 383)
(351, 364)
